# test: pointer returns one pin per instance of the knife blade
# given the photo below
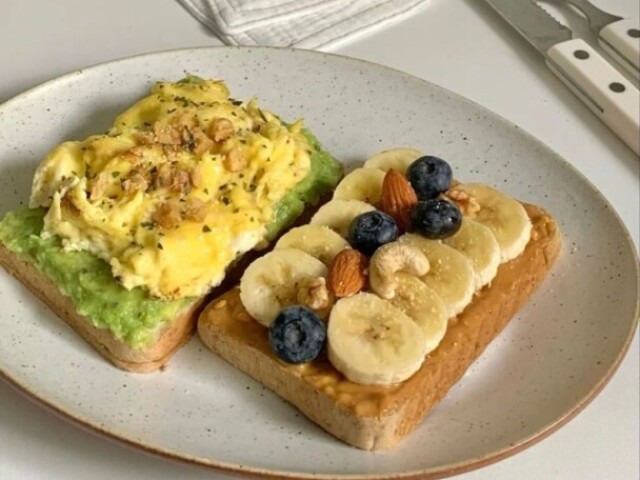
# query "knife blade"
(619, 37)
(604, 90)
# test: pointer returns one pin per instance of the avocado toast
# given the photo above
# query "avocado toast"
(128, 231)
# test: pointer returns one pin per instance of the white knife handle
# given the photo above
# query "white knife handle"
(621, 40)
(600, 86)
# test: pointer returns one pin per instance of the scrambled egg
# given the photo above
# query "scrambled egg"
(184, 182)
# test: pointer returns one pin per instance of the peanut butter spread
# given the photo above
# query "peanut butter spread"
(227, 317)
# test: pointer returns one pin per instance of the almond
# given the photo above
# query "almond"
(347, 273)
(398, 198)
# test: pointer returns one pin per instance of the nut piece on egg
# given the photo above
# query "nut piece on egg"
(167, 215)
(220, 129)
(196, 210)
(235, 160)
(167, 134)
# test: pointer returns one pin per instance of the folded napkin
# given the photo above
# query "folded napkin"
(312, 24)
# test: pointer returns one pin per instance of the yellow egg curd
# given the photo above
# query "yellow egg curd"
(184, 182)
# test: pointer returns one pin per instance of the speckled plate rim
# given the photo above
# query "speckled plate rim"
(431, 473)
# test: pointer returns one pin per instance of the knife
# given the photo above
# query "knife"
(588, 75)
(619, 37)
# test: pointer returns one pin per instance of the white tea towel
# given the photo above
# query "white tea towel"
(312, 24)
(240, 15)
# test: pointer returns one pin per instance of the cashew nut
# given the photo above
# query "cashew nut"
(390, 259)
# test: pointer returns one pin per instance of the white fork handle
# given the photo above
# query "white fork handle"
(621, 40)
(600, 86)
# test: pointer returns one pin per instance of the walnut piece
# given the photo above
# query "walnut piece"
(220, 129)
(235, 160)
(467, 204)
(175, 179)
(196, 210)
(136, 181)
(202, 142)
(313, 293)
(196, 176)
(167, 134)
(167, 215)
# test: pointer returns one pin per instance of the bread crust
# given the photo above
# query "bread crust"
(171, 336)
(384, 417)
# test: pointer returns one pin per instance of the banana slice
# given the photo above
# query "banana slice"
(504, 216)
(450, 275)
(423, 306)
(479, 245)
(338, 214)
(317, 240)
(362, 184)
(271, 282)
(372, 342)
(396, 158)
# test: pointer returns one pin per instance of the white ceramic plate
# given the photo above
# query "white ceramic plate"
(552, 359)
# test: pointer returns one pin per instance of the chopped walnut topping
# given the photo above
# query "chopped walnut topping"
(171, 152)
(313, 293)
(167, 134)
(145, 138)
(180, 181)
(467, 204)
(167, 215)
(196, 176)
(136, 181)
(97, 186)
(196, 210)
(220, 129)
(175, 179)
(163, 175)
(202, 143)
(235, 160)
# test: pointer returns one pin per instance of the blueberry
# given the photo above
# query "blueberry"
(436, 218)
(297, 334)
(372, 229)
(429, 177)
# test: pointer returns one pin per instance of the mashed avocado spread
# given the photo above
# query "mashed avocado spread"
(132, 315)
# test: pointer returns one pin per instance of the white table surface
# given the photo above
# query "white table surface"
(459, 44)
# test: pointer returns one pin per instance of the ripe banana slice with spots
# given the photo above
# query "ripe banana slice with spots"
(363, 184)
(338, 214)
(317, 240)
(372, 342)
(397, 158)
(504, 216)
(450, 276)
(479, 245)
(274, 281)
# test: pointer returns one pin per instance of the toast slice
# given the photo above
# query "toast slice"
(374, 417)
(171, 336)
